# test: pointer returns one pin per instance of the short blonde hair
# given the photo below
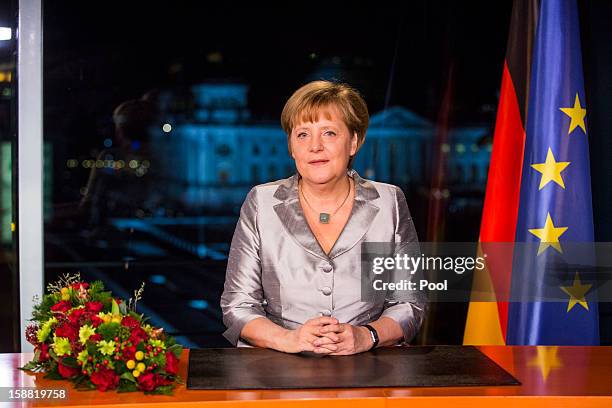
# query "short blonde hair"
(306, 104)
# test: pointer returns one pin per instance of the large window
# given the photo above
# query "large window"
(9, 324)
(160, 116)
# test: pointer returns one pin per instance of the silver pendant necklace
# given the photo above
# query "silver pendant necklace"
(324, 217)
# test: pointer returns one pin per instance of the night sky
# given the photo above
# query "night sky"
(113, 51)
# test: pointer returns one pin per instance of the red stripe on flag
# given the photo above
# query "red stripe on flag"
(501, 203)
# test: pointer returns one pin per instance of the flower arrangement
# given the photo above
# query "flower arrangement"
(83, 334)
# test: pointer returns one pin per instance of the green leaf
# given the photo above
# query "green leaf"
(96, 287)
(92, 349)
(79, 379)
(126, 386)
(115, 307)
(162, 390)
(36, 356)
(135, 315)
(30, 366)
(70, 362)
(53, 375)
(120, 368)
(108, 330)
(85, 384)
(128, 376)
(176, 349)
(52, 354)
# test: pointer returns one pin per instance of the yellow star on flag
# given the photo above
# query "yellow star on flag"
(577, 115)
(546, 360)
(576, 293)
(549, 235)
(551, 170)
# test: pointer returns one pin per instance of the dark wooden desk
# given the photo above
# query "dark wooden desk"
(550, 376)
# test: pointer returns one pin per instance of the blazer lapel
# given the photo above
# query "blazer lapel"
(361, 218)
(291, 215)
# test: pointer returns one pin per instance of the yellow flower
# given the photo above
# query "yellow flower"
(65, 293)
(61, 346)
(135, 373)
(82, 357)
(45, 330)
(116, 318)
(106, 317)
(106, 347)
(157, 343)
(130, 364)
(139, 355)
(85, 332)
(141, 367)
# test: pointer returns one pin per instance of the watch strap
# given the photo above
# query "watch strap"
(373, 335)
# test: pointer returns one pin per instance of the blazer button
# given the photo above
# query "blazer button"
(327, 268)
(326, 290)
(264, 302)
(325, 312)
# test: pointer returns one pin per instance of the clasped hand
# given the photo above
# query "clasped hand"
(326, 335)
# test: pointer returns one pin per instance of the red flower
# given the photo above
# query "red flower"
(76, 315)
(96, 321)
(138, 335)
(67, 330)
(146, 381)
(105, 379)
(31, 334)
(66, 371)
(95, 337)
(44, 352)
(128, 352)
(94, 307)
(62, 306)
(171, 363)
(77, 285)
(130, 322)
(150, 381)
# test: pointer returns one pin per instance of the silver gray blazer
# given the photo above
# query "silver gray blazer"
(277, 269)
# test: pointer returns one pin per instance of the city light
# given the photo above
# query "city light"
(6, 76)
(5, 34)
(167, 128)
(198, 304)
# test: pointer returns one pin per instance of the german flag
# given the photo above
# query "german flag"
(487, 320)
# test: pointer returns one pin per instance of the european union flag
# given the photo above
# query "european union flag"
(553, 297)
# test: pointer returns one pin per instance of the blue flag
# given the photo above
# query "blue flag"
(553, 299)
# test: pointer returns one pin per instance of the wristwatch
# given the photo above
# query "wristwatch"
(373, 334)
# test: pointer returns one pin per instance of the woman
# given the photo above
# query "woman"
(294, 274)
